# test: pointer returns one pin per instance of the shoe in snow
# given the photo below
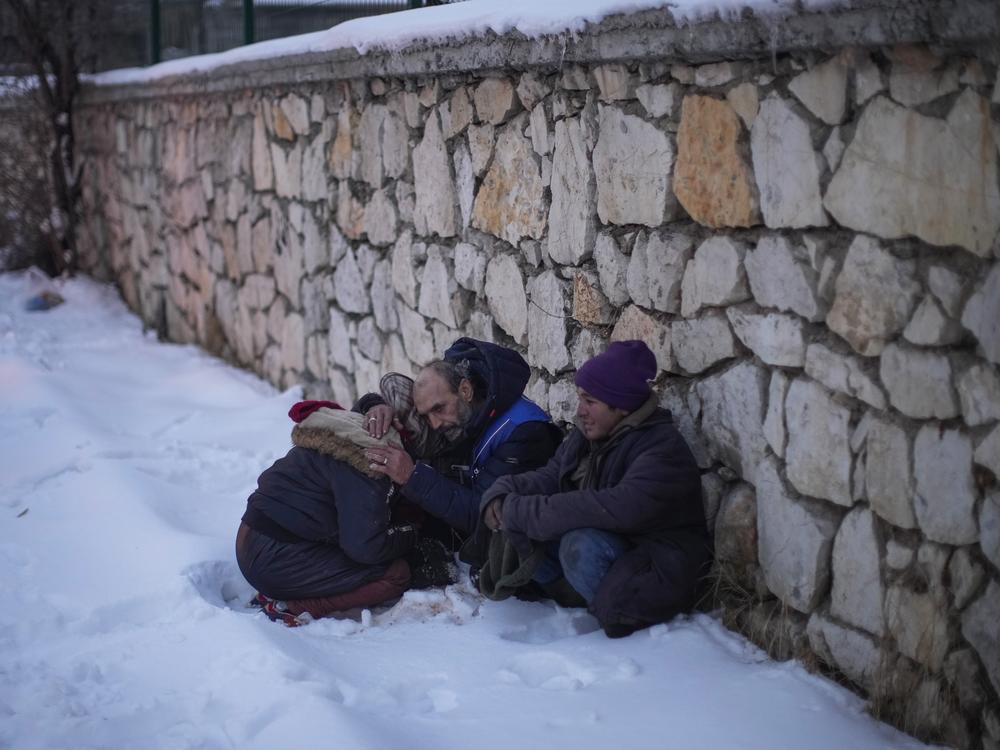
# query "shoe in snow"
(428, 550)
(258, 601)
(277, 611)
(622, 629)
(433, 574)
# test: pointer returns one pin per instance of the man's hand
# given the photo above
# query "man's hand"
(395, 463)
(379, 418)
(493, 515)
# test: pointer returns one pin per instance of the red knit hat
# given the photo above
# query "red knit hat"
(620, 376)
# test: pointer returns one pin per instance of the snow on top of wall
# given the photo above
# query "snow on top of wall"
(394, 32)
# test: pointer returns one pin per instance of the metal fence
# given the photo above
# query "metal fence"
(139, 32)
(179, 28)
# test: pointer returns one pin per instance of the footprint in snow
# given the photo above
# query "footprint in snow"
(560, 624)
(547, 670)
(417, 696)
(220, 583)
(424, 696)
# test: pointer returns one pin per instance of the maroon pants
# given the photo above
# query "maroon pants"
(297, 576)
(389, 586)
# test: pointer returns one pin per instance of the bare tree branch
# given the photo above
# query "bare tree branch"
(52, 36)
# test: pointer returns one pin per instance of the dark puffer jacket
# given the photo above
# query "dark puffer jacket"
(309, 496)
(646, 487)
(507, 434)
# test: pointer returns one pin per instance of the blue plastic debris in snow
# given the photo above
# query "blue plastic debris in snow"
(44, 301)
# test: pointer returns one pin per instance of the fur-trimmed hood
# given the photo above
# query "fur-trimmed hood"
(342, 435)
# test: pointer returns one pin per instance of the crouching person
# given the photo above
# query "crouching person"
(317, 536)
(617, 512)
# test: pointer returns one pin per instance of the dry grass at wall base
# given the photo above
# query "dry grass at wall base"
(749, 609)
(907, 695)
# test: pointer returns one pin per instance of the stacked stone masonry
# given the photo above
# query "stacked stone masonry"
(810, 243)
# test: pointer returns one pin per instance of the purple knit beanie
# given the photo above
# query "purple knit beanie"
(620, 376)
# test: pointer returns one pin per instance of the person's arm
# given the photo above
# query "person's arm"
(459, 505)
(366, 533)
(656, 478)
(539, 481)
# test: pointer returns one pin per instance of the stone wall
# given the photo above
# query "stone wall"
(805, 229)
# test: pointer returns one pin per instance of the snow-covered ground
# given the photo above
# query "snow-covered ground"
(124, 468)
(394, 32)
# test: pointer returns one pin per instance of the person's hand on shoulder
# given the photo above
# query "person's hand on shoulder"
(379, 419)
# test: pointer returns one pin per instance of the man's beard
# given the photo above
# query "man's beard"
(456, 433)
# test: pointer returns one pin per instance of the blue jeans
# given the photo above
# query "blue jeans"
(583, 556)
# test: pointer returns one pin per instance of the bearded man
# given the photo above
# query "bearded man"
(480, 426)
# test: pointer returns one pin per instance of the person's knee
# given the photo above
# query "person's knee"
(587, 548)
(585, 556)
(574, 547)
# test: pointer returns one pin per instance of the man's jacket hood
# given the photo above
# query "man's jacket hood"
(502, 372)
